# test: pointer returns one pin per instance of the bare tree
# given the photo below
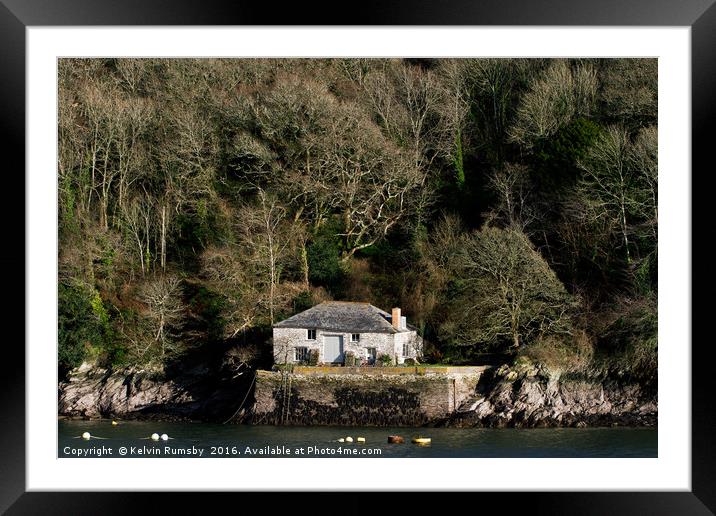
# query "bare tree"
(508, 291)
(410, 103)
(72, 182)
(239, 358)
(163, 299)
(368, 181)
(187, 169)
(133, 73)
(456, 101)
(644, 161)
(492, 85)
(339, 163)
(562, 93)
(629, 91)
(139, 223)
(512, 185)
(132, 158)
(263, 230)
(356, 69)
(619, 183)
(227, 273)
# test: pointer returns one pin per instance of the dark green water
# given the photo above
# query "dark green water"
(187, 439)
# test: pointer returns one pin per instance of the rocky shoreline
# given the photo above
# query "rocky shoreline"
(530, 397)
(517, 396)
(201, 393)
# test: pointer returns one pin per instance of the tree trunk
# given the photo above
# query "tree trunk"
(141, 252)
(272, 272)
(148, 254)
(164, 239)
(161, 332)
(271, 295)
(91, 188)
(624, 230)
(106, 183)
(304, 264)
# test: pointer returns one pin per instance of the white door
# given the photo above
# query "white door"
(333, 348)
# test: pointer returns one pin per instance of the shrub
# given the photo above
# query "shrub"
(560, 354)
(385, 360)
(83, 325)
(209, 307)
(349, 359)
(431, 353)
(556, 157)
(507, 294)
(303, 301)
(323, 254)
(632, 338)
(409, 362)
(313, 357)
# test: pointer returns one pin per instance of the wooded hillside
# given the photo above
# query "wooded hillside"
(504, 204)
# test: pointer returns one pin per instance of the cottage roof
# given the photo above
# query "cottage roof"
(349, 317)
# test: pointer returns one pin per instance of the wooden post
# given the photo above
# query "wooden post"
(454, 396)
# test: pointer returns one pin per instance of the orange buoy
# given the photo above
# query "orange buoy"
(395, 439)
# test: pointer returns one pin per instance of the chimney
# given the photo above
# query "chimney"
(395, 318)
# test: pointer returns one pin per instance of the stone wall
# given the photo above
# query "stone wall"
(413, 344)
(357, 399)
(285, 340)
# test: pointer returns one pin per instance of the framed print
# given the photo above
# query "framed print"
(422, 252)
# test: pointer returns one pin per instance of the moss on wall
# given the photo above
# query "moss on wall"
(363, 400)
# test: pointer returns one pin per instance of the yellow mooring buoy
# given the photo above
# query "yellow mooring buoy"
(422, 440)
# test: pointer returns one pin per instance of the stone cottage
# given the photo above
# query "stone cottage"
(335, 327)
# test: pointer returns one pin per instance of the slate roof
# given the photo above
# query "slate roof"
(348, 317)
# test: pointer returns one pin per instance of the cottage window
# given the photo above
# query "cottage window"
(311, 335)
(406, 349)
(301, 354)
(355, 337)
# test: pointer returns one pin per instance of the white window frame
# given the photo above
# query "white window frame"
(308, 334)
(357, 337)
(406, 349)
(295, 353)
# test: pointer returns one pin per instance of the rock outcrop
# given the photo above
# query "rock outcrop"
(199, 393)
(517, 396)
(533, 397)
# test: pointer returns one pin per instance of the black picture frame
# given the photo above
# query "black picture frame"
(17, 15)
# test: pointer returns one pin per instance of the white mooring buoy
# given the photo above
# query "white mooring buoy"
(349, 439)
(155, 436)
(86, 436)
(165, 437)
